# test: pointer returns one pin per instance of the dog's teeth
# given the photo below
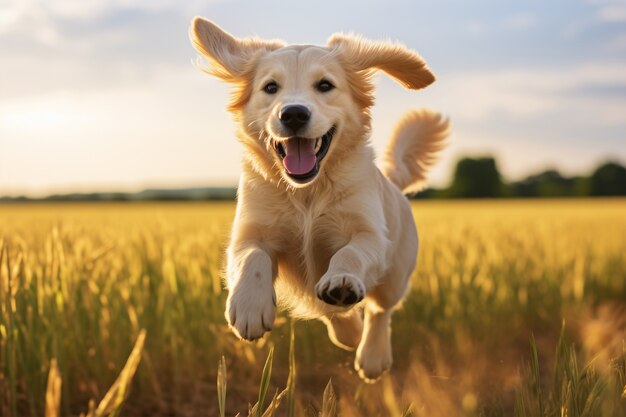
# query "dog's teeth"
(318, 145)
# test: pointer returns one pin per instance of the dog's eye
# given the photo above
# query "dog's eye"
(324, 86)
(271, 87)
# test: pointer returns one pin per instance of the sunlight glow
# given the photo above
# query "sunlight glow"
(37, 116)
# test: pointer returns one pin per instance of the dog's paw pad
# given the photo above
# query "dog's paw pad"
(328, 299)
(340, 290)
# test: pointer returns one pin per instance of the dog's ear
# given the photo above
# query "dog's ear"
(229, 56)
(404, 65)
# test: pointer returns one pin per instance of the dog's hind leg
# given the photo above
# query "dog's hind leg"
(345, 330)
(373, 356)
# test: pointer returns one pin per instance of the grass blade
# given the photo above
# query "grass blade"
(53, 391)
(221, 387)
(535, 376)
(408, 411)
(274, 404)
(265, 382)
(114, 398)
(329, 402)
(291, 379)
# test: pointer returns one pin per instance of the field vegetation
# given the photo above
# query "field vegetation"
(518, 308)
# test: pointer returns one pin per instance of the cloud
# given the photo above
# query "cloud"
(609, 10)
(92, 9)
(612, 13)
(568, 116)
(529, 93)
(171, 130)
(122, 69)
(53, 47)
(44, 21)
(516, 22)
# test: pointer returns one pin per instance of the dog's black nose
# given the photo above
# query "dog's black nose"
(294, 116)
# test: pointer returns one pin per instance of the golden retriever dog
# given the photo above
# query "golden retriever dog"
(319, 229)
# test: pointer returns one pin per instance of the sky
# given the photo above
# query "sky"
(103, 95)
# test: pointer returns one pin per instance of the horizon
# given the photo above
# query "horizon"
(165, 191)
(537, 86)
(126, 187)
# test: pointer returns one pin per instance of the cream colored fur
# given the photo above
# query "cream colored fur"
(348, 234)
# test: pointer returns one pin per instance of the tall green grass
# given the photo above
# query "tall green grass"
(575, 390)
(80, 283)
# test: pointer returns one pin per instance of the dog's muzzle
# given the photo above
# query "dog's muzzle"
(301, 157)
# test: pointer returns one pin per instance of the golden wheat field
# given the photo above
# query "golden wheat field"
(518, 308)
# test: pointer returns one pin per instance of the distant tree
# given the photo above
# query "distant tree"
(429, 193)
(476, 178)
(581, 186)
(116, 197)
(608, 179)
(546, 184)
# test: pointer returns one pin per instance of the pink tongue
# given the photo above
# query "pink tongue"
(300, 157)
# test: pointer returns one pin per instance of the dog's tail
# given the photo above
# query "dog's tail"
(414, 148)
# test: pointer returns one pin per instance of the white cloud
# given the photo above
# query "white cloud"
(89, 9)
(609, 10)
(49, 113)
(529, 119)
(27, 18)
(141, 107)
(172, 129)
(9, 14)
(530, 93)
(516, 22)
(40, 19)
(612, 13)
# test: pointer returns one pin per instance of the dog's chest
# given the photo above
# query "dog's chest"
(310, 238)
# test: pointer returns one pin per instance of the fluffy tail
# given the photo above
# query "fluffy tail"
(414, 148)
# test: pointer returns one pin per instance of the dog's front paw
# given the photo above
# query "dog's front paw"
(251, 314)
(340, 289)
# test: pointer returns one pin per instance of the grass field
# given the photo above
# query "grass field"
(518, 308)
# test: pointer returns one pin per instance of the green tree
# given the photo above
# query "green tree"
(546, 184)
(476, 178)
(608, 179)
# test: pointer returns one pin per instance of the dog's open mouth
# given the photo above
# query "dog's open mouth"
(301, 157)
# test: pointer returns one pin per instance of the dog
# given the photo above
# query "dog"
(317, 223)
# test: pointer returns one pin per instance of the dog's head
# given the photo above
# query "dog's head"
(303, 109)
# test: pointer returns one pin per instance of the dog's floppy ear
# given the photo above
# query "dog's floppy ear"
(402, 64)
(229, 56)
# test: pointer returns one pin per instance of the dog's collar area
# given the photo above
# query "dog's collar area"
(321, 147)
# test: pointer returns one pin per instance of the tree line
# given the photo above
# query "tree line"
(480, 178)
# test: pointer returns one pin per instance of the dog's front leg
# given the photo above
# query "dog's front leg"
(353, 270)
(251, 303)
